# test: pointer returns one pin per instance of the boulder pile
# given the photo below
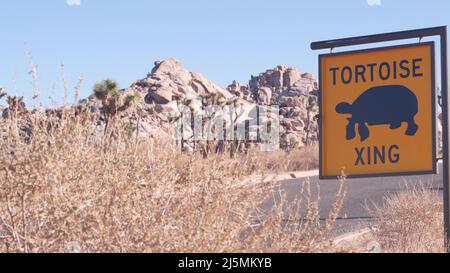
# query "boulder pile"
(295, 93)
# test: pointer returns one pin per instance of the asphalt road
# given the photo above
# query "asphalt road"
(361, 193)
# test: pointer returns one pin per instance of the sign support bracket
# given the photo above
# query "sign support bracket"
(440, 31)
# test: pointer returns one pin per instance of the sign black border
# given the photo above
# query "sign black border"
(433, 106)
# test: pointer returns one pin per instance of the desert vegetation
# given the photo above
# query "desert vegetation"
(77, 180)
(410, 221)
(68, 184)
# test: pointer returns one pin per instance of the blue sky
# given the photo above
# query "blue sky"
(223, 40)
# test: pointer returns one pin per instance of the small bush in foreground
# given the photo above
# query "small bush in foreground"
(411, 221)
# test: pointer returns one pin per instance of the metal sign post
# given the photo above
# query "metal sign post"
(402, 35)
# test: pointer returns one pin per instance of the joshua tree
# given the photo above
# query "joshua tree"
(16, 108)
(212, 99)
(107, 91)
(131, 100)
(2, 95)
(235, 144)
(181, 105)
(16, 105)
(312, 103)
(207, 117)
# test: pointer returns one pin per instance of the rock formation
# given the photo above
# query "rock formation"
(169, 81)
(295, 93)
(169, 86)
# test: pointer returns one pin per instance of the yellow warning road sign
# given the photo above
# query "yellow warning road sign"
(378, 111)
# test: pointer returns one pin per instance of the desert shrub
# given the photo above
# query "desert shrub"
(410, 221)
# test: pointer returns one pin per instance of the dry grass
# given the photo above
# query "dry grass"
(302, 159)
(64, 188)
(411, 222)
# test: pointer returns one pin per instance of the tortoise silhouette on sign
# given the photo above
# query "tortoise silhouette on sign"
(391, 104)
